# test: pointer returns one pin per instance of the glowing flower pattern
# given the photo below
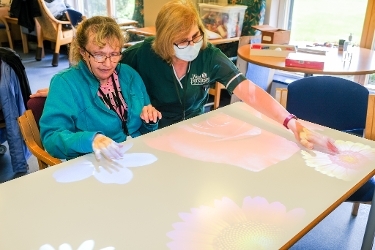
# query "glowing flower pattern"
(86, 245)
(351, 158)
(225, 139)
(256, 225)
(105, 171)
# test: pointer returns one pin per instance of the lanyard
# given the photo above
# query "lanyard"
(183, 87)
(122, 112)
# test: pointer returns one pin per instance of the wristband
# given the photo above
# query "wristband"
(287, 119)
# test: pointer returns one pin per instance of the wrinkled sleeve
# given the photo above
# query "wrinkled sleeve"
(57, 125)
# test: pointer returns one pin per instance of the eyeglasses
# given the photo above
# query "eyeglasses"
(185, 44)
(114, 57)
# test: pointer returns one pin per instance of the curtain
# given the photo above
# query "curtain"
(139, 13)
(254, 15)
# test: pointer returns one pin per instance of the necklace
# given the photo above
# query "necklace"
(121, 111)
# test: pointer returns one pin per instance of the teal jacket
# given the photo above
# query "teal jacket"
(73, 113)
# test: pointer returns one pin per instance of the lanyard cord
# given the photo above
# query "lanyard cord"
(175, 79)
(123, 113)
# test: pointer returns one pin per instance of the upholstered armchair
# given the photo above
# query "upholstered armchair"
(51, 29)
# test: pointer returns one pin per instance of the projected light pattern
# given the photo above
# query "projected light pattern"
(257, 224)
(345, 165)
(86, 245)
(225, 139)
(105, 171)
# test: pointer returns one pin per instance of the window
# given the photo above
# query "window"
(114, 8)
(322, 21)
(326, 21)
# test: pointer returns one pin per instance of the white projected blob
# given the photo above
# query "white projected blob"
(108, 172)
(121, 176)
(74, 172)
(86, 245)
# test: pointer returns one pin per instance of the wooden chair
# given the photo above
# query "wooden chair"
(51, 29)
(333, 102)
(30, 133)
(216, 92)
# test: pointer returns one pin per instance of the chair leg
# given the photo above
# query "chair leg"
(55, 59)
(355, 208)
(39, 52)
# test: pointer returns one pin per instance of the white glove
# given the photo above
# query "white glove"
(102, 145)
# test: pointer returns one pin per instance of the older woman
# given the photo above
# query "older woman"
(95, 104)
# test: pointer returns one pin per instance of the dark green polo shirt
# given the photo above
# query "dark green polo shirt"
(166, 95)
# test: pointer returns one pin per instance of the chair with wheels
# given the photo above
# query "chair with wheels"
(333, 102)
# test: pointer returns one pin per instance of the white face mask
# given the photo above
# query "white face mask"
(189, 53)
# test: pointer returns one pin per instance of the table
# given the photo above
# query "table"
(151, 31)
(363, 62)
(214, 180)
(125, 22)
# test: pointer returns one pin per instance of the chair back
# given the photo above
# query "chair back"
(51, 29)
(31, 136)
(36, 105)
(330, 101)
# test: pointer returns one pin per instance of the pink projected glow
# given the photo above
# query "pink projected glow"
(115, 171)
(256, 224)
(346, 164)
(249, 110)
(224, 139)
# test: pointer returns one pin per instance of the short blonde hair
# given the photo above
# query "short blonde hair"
(106, 31)
(175, 20)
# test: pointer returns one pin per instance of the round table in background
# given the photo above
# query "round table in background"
(362, 62)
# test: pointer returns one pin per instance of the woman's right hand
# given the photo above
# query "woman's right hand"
(40, 93)
(103, 145)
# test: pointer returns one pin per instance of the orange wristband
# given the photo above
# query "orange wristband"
(287, 119)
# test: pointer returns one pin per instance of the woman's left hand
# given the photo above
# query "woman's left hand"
(150, 114)
(312, 140)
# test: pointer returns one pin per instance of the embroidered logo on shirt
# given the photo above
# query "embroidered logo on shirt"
(199, 80)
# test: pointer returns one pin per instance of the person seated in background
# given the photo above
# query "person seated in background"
(98, 102)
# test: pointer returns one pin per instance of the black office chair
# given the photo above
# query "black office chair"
(330, 101)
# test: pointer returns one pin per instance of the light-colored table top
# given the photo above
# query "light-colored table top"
(125, 22)
(151, 31)
(222, 179)
(363, 62)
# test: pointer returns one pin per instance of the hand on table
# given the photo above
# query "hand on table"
(312, 140)
(40, 93)
(111, 150)
(150, 114)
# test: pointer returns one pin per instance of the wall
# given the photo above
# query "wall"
(152, 8)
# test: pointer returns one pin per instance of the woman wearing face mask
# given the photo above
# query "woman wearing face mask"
(178, 66)
(98, 102)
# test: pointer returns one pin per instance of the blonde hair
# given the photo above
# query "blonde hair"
(175, 20)
(105, 30)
